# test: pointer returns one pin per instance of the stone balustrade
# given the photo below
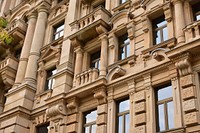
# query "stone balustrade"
(8, 69)
(87, 76)
(18, 24)
(192, 31)
(98, 14)
(11, 62)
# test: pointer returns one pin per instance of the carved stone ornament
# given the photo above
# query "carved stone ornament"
(56, 110)
(184, 67)
(100, 95)
(72, 104)
(115, 73)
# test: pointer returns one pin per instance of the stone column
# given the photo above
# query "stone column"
(78, 62)
(38, 38)
(104, 55)
(12, 4)
(26, 49)
(17, 2)
(180, 20)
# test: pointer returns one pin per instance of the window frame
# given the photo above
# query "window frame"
(196, 11)
(50, 78)
(160, 29)
(163, 102)
(55, 32)
(89, 124)
(122, 1)
(123, 114)
(122, 45)
(95, 60)
(42, 125)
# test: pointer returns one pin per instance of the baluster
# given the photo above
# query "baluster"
(90, 75)
(196, 28)
(82, 79)
(86, 76)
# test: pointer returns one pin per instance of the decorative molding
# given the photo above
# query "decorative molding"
(115, 73)
(72, 104)
(100, 94)
(55, 110)
(184, 67)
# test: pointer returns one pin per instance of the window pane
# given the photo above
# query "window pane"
(170, 111)
(42, 128)
(124, 106)
(165, 34)
(128, 49)
(91, 116)
(87, 129)
(94, 128)
(161, 117)
(158, 38)
(198, 17)
(165, 93)
(122, 1)
(162, 23)
(127, 124)
(120, 123)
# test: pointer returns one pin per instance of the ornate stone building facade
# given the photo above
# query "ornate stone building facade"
(101, 66)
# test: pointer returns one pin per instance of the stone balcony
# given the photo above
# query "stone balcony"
(18, 30)
(192, 31)
(91, 25)
(8, 69)
(86, 77)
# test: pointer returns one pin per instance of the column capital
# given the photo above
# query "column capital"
(79, 50)
(103, 36)
(177, 1)
(43, 7)
(32, 14)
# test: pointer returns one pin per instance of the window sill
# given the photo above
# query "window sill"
(122, 62)
(174, 130)
(169, 44)
(53, 43)
(123, 6)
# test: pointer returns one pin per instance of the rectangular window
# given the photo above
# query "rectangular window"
(50, 79)
(90, 121)
(160, 31)
(122, 1)
(95, 60)
(196, 11)
(42, 128)
(165, 108)
(124, 46)
(123, 116)
(58, 31)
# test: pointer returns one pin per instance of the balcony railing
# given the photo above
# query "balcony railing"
(99, 14)
(192, 31)
(87, 77)
(18, 29)
(8, 69)
(11, 62)
(88, 24)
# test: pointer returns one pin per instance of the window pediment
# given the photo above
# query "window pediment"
(50, 52)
